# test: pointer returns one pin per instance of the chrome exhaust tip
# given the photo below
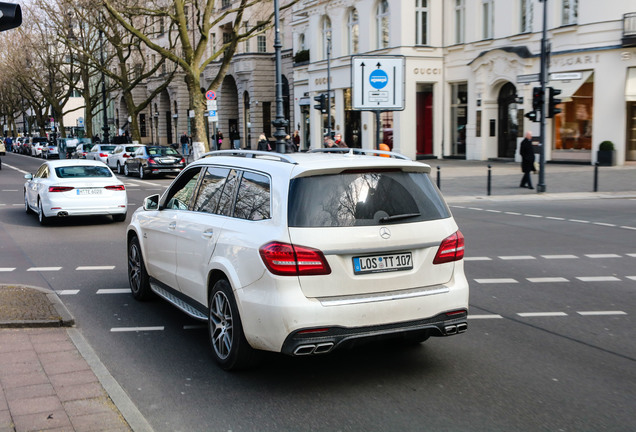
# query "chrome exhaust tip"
(461, 328)
(62, 214)
(304, 350)
(323, 348)
(450, 330)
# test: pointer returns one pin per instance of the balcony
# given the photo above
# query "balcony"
(629, 30)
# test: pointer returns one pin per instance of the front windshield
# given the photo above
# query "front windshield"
(82, 171)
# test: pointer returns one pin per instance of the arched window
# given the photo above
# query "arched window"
(301, 42)
(382, 24)
(326, 36)
(353, 26)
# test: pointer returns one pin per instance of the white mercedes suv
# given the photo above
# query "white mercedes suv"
(302, 253)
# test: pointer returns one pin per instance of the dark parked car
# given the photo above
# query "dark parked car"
(154, 160)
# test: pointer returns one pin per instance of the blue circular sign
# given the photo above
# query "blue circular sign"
(378, 79)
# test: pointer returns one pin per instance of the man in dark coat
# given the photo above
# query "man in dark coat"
(527, 160)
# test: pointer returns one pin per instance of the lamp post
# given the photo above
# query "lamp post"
(280, 122)
(104, 113)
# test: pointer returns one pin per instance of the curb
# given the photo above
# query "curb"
(65, 318)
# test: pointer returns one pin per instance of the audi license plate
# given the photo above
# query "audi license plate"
(382, 263)
(89, 191)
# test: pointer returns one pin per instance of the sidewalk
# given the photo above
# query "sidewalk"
(50, 379)
(465, 181)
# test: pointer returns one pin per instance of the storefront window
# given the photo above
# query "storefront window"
(459, 117)
(573, 126)
(386, 133)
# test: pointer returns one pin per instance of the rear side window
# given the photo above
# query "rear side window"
(364, 198)
(252, 199)
(211, 189)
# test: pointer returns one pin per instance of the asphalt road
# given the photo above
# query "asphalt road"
(550, 342)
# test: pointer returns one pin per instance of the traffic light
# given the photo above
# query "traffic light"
(553, 102)
(533, 116)
(10, 16)
(322, 102)
(537, 99)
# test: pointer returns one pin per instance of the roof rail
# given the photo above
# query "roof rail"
(252, 154)
(353, 151)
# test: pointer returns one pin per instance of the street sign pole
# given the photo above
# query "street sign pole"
(541, 186)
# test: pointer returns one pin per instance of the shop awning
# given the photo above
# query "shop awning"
(569, 87)
(630, 85)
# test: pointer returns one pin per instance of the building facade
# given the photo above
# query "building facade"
(469, 70)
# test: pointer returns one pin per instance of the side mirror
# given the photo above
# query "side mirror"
(28, 176)
(151, 202)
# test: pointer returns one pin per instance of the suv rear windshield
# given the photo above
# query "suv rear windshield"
(364, 198)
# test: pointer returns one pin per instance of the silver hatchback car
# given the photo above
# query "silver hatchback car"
(302, 254)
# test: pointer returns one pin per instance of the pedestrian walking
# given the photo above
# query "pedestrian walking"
(184, 143)
(263, 144)
(339, 142)
(526, 151)
(290, 147)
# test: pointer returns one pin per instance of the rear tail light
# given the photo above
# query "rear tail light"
(60, 188)
(116, 187)
(284, 259)
(151, 161)
(103, 155)
(126, 155)
(451, 249)
(182, 161)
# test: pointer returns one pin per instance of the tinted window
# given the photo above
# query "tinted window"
(211, 189)
(252, 199)
(180, 194)
(364, 198)
(162, 151)
(108, 148)
(82, 171)
(227, 195)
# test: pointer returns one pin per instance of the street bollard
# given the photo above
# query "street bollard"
(596, 177)
(439, 178)
(489, 178)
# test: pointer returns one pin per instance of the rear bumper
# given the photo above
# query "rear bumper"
(320, 342)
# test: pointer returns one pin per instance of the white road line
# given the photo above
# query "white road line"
(477, 259)
(541, 314)
(513, 213)
(578, 221)
(6, 269)
(533, 216)
(596, 313)
(114, 291)
(516, 257)
(559, 256)
(81, 268)
(555, 218)
(475, 208)
(494, 211)
(67, 292)
(633, 255)
(603, 256)
(547, 279)
(604, 224)
(17, 169)
(496, 281)
(598, 279)
(491, 316)
(135, 329)
(10, 190)
(36, 269)
(628, 227)
(631, 277)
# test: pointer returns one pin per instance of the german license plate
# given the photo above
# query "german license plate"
(383, 263)
(89, 191)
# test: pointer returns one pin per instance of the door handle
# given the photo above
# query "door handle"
(207, 234)
(172, 225)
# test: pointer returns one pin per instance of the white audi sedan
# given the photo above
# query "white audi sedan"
(72, 187)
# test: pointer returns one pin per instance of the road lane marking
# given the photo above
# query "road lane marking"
(67, 292)
(533, 215)
(81, 268)
(628, 227)
(477, 259)
(114, 291)
(135, 329)
(10, 190)
(603, 256)
(15, 168)
(604, 224)
(555, 218)
(598, 279)
(633, 255)
(513, 213)
(7, 269)
(517, 257)
(579, 221)
(631, 277)
(547, 279)
(489, 316)
(599, 313)
(495, 281)
(541, 314)
(559, 256)
(41, 269)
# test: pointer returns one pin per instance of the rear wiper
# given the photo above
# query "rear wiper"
(398, 217)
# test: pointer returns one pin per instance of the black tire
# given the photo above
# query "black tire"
(119, 217)
(27, 209)
(229, 346)
(141, 171)
(137, 275)
(126, 171)
(42, 218)
(118, 168)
